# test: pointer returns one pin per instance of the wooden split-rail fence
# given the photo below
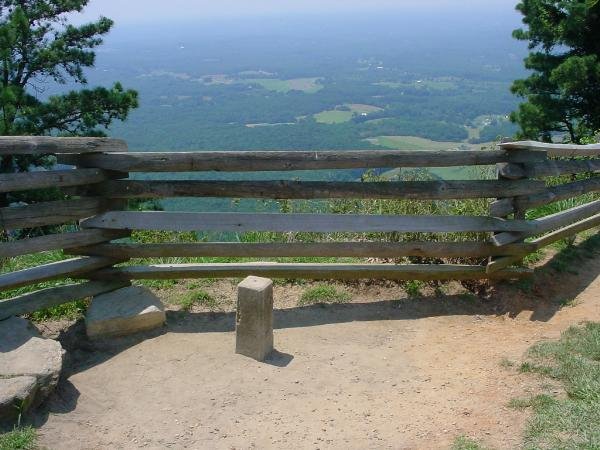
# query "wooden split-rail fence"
(98, 183)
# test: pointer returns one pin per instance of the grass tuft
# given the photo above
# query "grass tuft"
(19, 439)
(198, 298)
(465, 443)
(323, 293)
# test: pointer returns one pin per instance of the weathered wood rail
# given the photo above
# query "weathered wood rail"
(99, 182)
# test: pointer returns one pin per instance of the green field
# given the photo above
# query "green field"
(438, 85)
(443, 173)
(344, 113)
(334, 116)
(307, 85)
(416, 143)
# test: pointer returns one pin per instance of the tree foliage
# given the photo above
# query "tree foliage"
(38, 46)
(562, 91)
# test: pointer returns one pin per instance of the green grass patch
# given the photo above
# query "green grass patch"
(198, 298)
(465, 443)
(323, 293)
(570, 421)
(19, 439)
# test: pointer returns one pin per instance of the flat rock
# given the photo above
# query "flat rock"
(30, 366)
(124, 311)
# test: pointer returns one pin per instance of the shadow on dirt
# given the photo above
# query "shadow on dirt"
(556, 282)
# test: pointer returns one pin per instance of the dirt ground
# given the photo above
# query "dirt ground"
(384, 371)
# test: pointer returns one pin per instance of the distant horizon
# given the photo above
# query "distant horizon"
(144, 12)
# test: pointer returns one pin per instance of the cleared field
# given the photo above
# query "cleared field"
(416, 143)
(307, 85)
(361, 108)
(345, 113)
(439, 85)
(334, 116)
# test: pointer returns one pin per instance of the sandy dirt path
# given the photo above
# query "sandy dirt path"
(405, 374)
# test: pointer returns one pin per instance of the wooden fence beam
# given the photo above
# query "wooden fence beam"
(554, 150)
(554, 167)
(48, 298)
(284, 189)
(68, 268)
(39, 145)
(301, 249)
(251, 161)
(551, 222)
(50, 213)
(552, 194)
(423, 272)
(13, 182)
(60, 241)
(568, 231)
(318, 223)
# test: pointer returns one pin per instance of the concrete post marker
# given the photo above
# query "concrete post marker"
(254, 318)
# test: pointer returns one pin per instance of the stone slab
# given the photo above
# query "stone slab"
(125, 311)
(26, 356)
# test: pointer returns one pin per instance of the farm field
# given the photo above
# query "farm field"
(418, 143)
(345, 113)
(306, 85)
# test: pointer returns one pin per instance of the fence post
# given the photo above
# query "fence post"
(254, 318)
(508, 171)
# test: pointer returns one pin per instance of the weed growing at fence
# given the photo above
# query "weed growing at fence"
(323, 293)
(413, 288)
(571, 421)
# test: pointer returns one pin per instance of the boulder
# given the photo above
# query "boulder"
(124, 311)
(30, 366)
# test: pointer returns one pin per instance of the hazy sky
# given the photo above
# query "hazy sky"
(131, 11)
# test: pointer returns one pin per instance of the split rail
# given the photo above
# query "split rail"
(99, 176)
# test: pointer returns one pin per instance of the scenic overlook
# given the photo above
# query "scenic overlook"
(271, 224)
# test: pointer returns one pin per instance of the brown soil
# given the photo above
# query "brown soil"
(384, 371)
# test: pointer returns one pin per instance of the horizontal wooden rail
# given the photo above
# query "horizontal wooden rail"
(423, 272)
(506, 206)
(251, 161)
(568, 231)
(415, 190)
(50, 213)
(14, 182)
(319, 223)
(554, 150)
(298, 249)
(59, 241)
(48, 298)
(553, 167)
(550, 223)
(68, 268)
(39, 145)
(543, 241)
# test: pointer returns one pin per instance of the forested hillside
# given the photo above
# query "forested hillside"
(309, 83)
